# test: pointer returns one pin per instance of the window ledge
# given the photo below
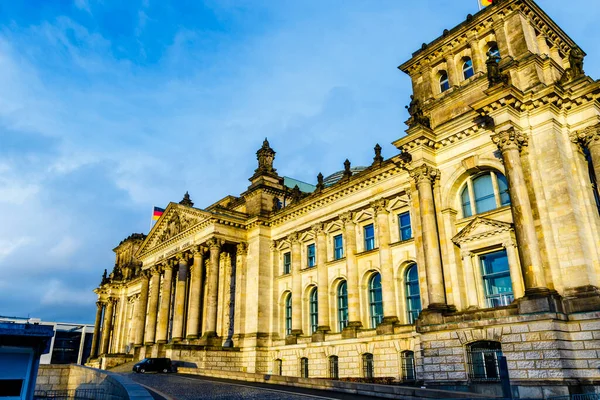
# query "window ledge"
(484, 214)
(336, 261)
(282, 276)
(366, 252)
(400, 242)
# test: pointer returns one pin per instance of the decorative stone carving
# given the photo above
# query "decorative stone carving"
(265, 156)
(403, 160)
(494, 74)
(104, 278)
(276, 204)
(587, 137)
(416, 114)
(320, 182)
(241, 249)
(318, 228)
(186, 201)
(379, 205)
(423, 173)
(296, 194)
(347, 218)
(214, 243)
(575, 69)
(510, 139)
(347, 172)
(378, 159)
(294, 237)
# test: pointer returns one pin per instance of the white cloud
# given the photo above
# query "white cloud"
(57, 294)
(66, 247)
(9, 246)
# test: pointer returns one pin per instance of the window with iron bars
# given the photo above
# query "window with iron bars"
(482, 358)
(304, 367)
(368, 366)
(408, 365)
(334, 372)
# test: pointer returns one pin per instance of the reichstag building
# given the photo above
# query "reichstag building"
(480, 238)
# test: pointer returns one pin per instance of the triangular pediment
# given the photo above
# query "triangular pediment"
(174, 222)
(479, 228)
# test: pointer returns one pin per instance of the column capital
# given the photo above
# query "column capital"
(466, 254)
(100, 304)
(510, 139)
(347, 218)
(379, 206)
(166, 266)
(182, 257)
(424, 173)
(145, 274)
(294, 238)
(198, 250)
(214, 244)
(587, 137)
(509, 243)
(155, 270)
(242, 249)
(318, 228)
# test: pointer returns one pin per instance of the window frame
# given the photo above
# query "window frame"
(369, 241)
(304, 367)
(499, 299)
(287, 263)
(444, 81)
(311, 255)
(368, 366)
(279, 367)
(482, 361)
(334, 369)
(404, 228)
(288, 314)
(313, 309)
(342, 305)
(374, 304)
(467, 69)
(338, 251)
(407, 359)
(467, 195)
(412, 313)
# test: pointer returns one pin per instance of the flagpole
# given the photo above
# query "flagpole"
(479, 4)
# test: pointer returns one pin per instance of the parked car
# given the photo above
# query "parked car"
(154, 364)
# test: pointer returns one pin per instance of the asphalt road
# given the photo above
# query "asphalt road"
(191, 387)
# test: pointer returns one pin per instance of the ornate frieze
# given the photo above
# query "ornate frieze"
(510, 139)
(587, 137)
(424, 173)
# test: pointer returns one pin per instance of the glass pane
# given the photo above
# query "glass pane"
(484, 193)
(466, 202)
(405, 228)
(503, 189)
(444, 84)
(494, 262)
(369, 232)
(468, 69)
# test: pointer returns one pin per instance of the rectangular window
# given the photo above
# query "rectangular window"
(311, 258)
(338, 247)
(496, 279)
(287, 263)
(369, 231)
(404, 224)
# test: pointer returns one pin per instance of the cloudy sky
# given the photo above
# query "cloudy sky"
(109, 107)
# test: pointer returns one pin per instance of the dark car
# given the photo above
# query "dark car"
(153, 364)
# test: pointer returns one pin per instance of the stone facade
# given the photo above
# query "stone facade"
(479, 239)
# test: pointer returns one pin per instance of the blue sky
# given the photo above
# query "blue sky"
(110, 107)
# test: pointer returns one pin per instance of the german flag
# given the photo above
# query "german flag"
(157, 213)
(485, 3)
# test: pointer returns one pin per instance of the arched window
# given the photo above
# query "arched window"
(314, 310)
(278, 367)
(288, 314)
(334, 372)
(342, 303)
(368, 366)
(467, 68)
(493, 49)
(413, 296)
(482, 357)
(375, 300)
(488, 191)
(304, 367)
(408, 365)
(444, 83)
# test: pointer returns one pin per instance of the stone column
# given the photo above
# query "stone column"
(180, 292)
(240, 291)
(97, 323)
(515, 272)
(296, 285)
(590, 138)
(152, 306)
(134, 300)
(471, 287)
(165, 303)
(226, 302)
(476, 56)
(322, 278)
(390, 311)
(197, 271)
(107, 326)
(140, 318)
(210, 323)
(453, 77)
(424, 177)
(510, 143)
(351, 271)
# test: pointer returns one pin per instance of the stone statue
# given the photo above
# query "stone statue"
(347, 171)
(104, 277)
(378, 159)
(265, 156)
(296, 194)
(416, 113)
(276, 204)
(186, 200)
(575, 69)
(495, 76)
(320, 184)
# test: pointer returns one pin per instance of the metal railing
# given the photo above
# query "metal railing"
(483, 365)
(71, 394)
(499, 300)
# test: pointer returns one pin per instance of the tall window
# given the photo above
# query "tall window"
(404, 224)
(304, 367)
(467, 68)
(444, 83)
(413, 297)
(342, 301)
(338, 247)
(488, 190)
(368, 366)
(483, 361)
(493, 49)
(408, 365)
(314, 310)
(334, 372)
(287, 263)
(311, 258)
(288, 314)
(496, 279)
(375, 300)
(369, 232)
(278, 367)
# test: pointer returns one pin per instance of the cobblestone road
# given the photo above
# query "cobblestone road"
(183, 387)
